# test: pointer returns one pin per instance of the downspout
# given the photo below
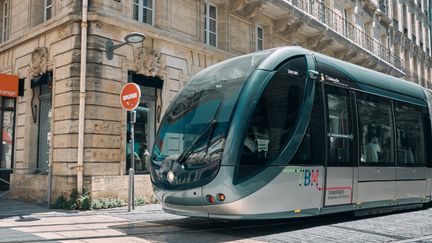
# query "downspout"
(81, 115)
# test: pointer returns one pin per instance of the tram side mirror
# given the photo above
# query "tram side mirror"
(313, 74)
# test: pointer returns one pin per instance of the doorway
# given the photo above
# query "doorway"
(44, 128)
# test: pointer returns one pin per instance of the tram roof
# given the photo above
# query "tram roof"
(360, 75)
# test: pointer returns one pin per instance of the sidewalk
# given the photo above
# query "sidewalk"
(23, 222)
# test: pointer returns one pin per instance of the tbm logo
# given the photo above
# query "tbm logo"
(308, 177)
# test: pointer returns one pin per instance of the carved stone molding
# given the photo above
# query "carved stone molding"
(149, 61)
(250, 8)
(349, 55)
(384, 19)
(247, 7)
(284, 27)
(370, 7)
(39, 61)
(319, 42)
(396, 35)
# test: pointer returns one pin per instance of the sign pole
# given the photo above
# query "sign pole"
(133, 120)
(129, 100)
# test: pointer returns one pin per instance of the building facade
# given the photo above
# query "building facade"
(42, 42)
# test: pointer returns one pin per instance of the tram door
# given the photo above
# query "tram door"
(338, 187)
(377, 174)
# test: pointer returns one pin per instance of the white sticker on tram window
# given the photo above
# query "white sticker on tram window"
(332, 79)
(292, 72)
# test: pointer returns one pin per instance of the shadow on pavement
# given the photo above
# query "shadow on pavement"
(206, 230)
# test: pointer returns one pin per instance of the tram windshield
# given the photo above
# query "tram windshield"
(192, 133)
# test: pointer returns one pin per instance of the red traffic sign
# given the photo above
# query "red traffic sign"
(130, 96)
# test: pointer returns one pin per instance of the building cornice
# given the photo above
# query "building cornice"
(40, 29)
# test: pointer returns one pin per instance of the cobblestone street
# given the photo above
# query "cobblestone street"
(20, 222)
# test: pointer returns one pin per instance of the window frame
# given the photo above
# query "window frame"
(48, 8)
(5, 21)
(258, 39)
(141, 6)
(207, 19)
(393, 124)
(255, 169)
(426, 130)
(352, 126)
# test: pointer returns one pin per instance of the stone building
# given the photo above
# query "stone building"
(82, 132)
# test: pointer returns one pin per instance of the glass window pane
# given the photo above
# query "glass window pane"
(212, 26)
(212, 12)
(339, 132)
(7, 139)
(8, 102)
(48, 13)
(410, 135)
(147, 16)
(212, 39)
(375, 129)
(49, 2)
(311, 150)
(148, 3)
(276, 113)
(260, 45)
(259, 33)
(135, 12)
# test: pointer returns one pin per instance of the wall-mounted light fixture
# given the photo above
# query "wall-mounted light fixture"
(131, 38)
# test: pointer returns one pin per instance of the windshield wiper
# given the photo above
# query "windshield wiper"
(201, 135)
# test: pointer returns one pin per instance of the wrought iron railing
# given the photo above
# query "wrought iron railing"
(339, 24)
(395, 24)
(383, 7)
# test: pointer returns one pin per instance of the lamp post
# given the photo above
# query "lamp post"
(131, 38)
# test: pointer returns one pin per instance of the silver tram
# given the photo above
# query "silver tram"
(289, 133)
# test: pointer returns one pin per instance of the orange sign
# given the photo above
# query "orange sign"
(130, 96)
(9, 85)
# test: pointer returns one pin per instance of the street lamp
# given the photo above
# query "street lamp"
(131, 38)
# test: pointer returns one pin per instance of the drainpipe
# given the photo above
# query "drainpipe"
(82, 97)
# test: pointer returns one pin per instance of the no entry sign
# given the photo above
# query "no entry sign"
(130, 96)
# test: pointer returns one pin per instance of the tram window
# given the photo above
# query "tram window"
(275, 116)
(339, 130)
(410, 132)
(375, 130)
(311, 150)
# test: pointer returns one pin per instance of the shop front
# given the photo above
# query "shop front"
(10, 88)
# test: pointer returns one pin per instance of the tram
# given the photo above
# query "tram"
(288, 132)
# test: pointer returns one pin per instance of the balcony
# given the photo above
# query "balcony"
(342, 26)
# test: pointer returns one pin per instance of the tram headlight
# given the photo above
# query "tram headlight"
(170, 176)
